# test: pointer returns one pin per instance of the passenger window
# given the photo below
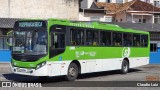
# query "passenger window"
(136, 40)
(117, 39)
(105, 38)
(144, 40)
(127, 39)
(92, 37)
(77, 36)
(57, 40)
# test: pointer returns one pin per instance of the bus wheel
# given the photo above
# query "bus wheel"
(72, 73)
(124, 67)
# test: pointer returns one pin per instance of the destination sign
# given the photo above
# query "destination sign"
(30, 24)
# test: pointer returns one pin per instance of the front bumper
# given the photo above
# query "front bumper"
(43, 71)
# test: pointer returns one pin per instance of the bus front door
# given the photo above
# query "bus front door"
(57, 43)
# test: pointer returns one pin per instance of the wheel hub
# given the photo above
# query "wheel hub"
(72, 71)
(125, 67)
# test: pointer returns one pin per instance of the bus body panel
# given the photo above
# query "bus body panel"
(57, 68)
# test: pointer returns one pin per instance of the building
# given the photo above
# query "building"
(153, 2)
(12, 10)
(134, 11)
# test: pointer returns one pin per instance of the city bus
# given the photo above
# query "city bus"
(55, 47)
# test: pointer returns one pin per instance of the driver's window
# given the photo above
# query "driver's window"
(57, 40)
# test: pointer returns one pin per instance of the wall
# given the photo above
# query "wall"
(4, 8)
(101, 0)
(128, 18)
(5, 53)
(120, 16)
(89, 3)
(112, 1)
(148, 18)
(155, 57)
(5, 56)
(83, 18)
(84, 4)
(63, 9)
(86, 16)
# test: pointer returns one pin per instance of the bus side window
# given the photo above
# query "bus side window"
(136, 40)
(117, 39)
(105, 38)
(76, 36)
(127, 39)
(57, 40)
(92, 37)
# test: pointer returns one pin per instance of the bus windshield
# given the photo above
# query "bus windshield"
(30, 42)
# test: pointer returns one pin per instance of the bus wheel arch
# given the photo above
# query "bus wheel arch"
(78, 64)
(73, 70)
(125, 66)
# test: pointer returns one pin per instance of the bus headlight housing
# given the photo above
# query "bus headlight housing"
(41, 65)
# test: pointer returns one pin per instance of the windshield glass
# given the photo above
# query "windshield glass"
(30, 42)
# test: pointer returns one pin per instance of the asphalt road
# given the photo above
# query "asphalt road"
(143, 73)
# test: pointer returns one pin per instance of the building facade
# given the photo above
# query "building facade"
(134, 11)
(39, 9)
(153, 2)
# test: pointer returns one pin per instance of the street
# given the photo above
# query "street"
(136, 74)
(143, 73)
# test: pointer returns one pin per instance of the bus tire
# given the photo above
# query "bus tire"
(124, 67)
(72, 72)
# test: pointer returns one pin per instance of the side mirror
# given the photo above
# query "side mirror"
(9, 38)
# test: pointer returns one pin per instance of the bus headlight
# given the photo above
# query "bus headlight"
(41, 65)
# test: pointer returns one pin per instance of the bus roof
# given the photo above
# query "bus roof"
(94, 25)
